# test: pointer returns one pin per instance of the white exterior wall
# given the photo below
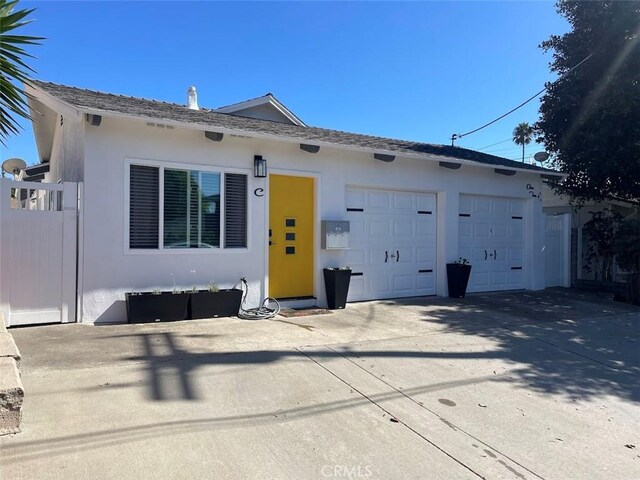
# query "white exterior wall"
(108, 270)
(67, 152)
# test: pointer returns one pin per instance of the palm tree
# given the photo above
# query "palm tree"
(522, 135)
(13, 69)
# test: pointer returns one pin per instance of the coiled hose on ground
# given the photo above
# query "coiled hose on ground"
(264, 312)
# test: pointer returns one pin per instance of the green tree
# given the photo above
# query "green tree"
(627, 251)
(13, 67)
(522, 135)
(590, 116)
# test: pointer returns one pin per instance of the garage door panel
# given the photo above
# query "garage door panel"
(376, 255)
(493, 241)
(403, 227)
(356, 288)
(500, 280)
(517, 208)
(481, 230)
(355, 199)
(386, 223)
(426, 282)
(379, 229)
(465, 230)
(516, 278)
(426, 256)
(500, 206)
(404, 202)
(499, 231)
(357, 229)
(516, 230)
(378, 200)
(380, 285)
(426, 203)
(404, 255)
(482, 205)
(404, 284)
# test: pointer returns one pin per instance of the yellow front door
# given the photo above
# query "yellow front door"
(291, 223)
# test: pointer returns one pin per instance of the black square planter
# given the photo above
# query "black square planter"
(457, 279)
(223, 303)
(163, 307)
(336, 282)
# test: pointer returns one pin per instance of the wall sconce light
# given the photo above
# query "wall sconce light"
(259, 166)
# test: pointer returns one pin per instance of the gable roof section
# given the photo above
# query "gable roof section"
(266, 100)
(90, 101)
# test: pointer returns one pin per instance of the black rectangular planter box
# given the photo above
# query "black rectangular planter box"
(457, 279)
(163, 307)
(336, 283)
(223, 303)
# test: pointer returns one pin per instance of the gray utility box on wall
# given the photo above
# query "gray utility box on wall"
(335, 234)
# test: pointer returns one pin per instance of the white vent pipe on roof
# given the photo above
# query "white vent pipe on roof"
(192, 98)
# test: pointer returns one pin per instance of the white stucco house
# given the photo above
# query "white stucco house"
(172, 194)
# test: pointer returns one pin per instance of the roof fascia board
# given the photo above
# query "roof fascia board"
(54, 103)
(338, 146)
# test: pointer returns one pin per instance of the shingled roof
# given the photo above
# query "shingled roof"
(106, 103)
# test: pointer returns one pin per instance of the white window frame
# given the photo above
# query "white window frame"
(161, 165)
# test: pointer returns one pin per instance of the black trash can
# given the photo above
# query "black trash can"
(457, 279)
(336, 282)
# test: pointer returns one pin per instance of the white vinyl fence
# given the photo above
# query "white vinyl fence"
(38, 239)
(557, 250)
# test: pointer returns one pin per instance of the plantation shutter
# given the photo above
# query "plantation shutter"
(235, 210)
(143, 206)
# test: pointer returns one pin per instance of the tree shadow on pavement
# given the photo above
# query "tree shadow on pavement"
(563, 341)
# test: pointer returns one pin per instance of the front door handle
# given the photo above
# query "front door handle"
(397, 255)
(386, 256)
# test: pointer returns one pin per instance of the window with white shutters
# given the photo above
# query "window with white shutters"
(192, 215)
(144, 217)
(235, 210)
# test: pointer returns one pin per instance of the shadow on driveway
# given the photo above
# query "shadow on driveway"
(561, 341)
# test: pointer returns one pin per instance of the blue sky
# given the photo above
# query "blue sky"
(415, 71)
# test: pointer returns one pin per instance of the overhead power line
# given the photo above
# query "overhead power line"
(456, 136)
(497, 143)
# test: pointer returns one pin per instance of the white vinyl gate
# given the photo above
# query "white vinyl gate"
(38, 239)
(557, 250)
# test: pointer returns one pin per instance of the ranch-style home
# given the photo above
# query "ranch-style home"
(137, 195)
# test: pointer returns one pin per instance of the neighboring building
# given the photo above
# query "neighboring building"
(168, 195)
(581, 268)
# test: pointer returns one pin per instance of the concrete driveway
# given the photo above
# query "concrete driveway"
(504, 385)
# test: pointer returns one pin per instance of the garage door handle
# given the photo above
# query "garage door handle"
(495, 255)
(397, 255)
(485, 254)
(386, 256)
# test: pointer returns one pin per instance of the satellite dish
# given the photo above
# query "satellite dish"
(13, 166)
(541, 157)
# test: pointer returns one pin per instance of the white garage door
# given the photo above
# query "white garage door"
(392, 243)
(492, 238)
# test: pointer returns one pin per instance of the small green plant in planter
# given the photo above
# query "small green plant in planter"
(215, 302)
(458, 273)
(156, 306)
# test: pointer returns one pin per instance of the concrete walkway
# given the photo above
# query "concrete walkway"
(518, 385)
